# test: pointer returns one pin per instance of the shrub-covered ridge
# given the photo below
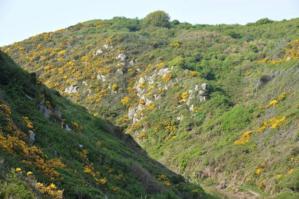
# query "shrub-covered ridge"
(52, 148)
(218, 104)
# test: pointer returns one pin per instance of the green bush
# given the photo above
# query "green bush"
(13, 187)
(157, 18)
(263, 21)
(237, 118)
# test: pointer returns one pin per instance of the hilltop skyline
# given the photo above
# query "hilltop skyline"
(34, 17)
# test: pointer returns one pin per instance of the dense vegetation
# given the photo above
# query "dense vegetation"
(217, 104)
(50, 147)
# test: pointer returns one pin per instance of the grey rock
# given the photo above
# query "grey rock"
(67, 127)
(31, 137)
(121, 57)
(71, 89)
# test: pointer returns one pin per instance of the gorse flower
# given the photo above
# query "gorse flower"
(245, 137)
(125, 100)
(258, 171)
(272, 123)
(50, 190)
(18, 170)
(52, 186)
(272, 103)
(31, 154)
(101, 181)
(184, 96)
(275, 101)
(114, 87)
(167, 77)
(27, 122)
(29, 173)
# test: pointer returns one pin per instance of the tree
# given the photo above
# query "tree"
(263, 21)
(157, 18)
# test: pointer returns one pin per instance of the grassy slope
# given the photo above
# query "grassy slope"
(198, 142)
(98, 159)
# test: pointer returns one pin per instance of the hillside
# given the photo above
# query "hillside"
(52, 148)
(217, 104)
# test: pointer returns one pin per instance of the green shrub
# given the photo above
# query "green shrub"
(13, 187)
(235, 35)
(157, 18)
(264, 21)
(237, 118)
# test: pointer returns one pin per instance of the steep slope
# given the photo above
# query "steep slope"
(57, 149)
(217, 104)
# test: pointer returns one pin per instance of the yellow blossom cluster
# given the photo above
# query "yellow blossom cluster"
(142, 135)
(160, 65)
(18, 170)
(275, 101)
(183, 97)
(125, 100)
(169, 126)
(123, 119)
(76, 125)
(28, 123)
(259, 170)
(50, 190)
(245, 137)
(114, 87)
(175, 44)
(150, 106)
(271, 61)
(101, 181)
(32, 154)
(142, 101)
(84, 154)
(89, 169)
(292, 51)
(166, 77)
(104, 70)
(163, 178)
(272, 123)
(194, 73)
(6, 109)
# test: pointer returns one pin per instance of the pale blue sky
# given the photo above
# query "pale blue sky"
(20, 19)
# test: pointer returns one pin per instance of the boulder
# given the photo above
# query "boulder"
(203, 92)
(84, 83)
(163, 71)
(131, 112)
(204, 86)
(44, 110)
(67, 128)
(31, 137)
(71, 89)
(131, 63)
(98, 52)
(107, 46)
(122, 57)
(119, 72)
(101, 77)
